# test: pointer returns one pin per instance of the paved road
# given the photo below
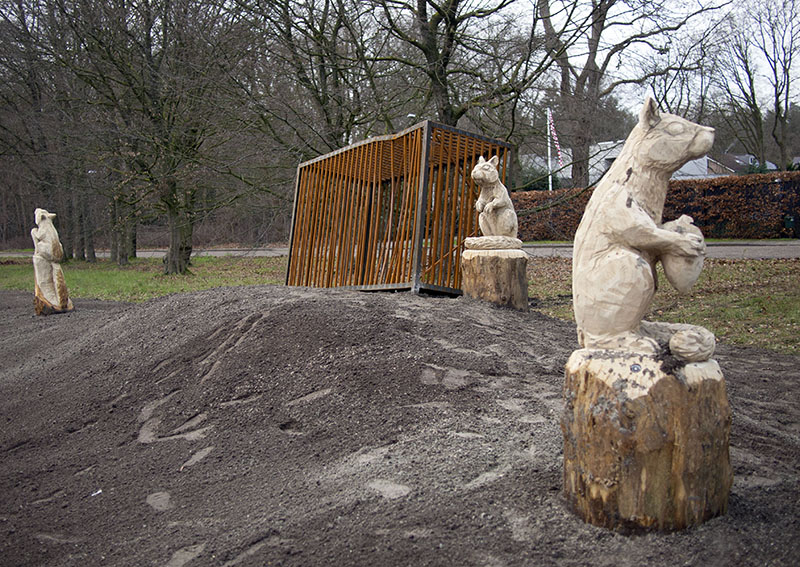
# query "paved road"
(763, 249)
(742, 249)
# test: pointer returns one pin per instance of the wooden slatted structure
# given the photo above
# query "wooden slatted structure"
(390, 212)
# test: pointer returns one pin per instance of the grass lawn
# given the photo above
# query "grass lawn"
(745, 302)
(142, 278)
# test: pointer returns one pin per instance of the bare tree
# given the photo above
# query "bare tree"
(158, 67)
(692, 62)
(738, 103)
(778, 40)
(468, 54)
(761, 49)
(43, 127)
(318, 84)
(614, 33)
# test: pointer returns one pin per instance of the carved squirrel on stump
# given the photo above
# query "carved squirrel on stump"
(646, 436)
(51, 294)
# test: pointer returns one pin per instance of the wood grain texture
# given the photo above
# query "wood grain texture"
(644, 448)
(497, 276)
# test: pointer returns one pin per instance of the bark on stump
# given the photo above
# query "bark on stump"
(498, 276)
(644, 448)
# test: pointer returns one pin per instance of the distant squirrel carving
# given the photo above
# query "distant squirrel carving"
(621, 237)
(496, 216)
(51, 294)
(496, 211)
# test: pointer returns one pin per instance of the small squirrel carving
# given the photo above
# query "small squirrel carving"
(621, 237)
(50, 293)
(496, 211)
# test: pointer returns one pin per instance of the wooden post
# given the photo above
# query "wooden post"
(645, 448)
(497, 276)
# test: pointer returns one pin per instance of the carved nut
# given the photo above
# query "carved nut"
(682, 271)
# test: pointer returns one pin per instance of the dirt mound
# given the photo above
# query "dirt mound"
(287, 426)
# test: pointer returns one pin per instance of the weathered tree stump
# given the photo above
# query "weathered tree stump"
(644, 448)
(497, 276)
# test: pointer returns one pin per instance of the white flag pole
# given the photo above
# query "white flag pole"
(549, 158)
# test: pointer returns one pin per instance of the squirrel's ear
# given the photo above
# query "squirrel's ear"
(494, 161)
(649, 115)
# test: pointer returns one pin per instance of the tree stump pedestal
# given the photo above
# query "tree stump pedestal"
(497, 276)
(645, 448)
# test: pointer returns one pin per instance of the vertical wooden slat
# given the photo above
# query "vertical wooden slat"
(314, 220)
(430, 204)
(348, 183)
(308, 249)
(382, 248)
(404, 257)
(353, 217)
(452, 245)
(293, 225)
(408, 224)
(365, 168)
(374, 219)
(414, 255)
(395, 272)
(412, 227)
(386, 244)
(345, 175)
(325, 216)
(444, 201)
(321, 192)
(328, 227)
(406, 204)
(439, 226)
(360, 220)
(453, 234)
(305, 247)
(336, 226)
(402, 260)
(464, 206)
(473, 191)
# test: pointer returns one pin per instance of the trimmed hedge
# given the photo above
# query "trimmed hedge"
(741, 206)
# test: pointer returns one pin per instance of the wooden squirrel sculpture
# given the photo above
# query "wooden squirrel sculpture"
(50, 292)
(621, 237)
(496, 216)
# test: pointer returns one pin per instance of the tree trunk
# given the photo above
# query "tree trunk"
(122, 240)
(131, 225)
(643, 448)
(114, 235)
(779, 130)
(180, 243)
(119, 239)
(757, 125)
(65, 222)
(77, 227)
(514, 173)
(88, 232)
(580, 163)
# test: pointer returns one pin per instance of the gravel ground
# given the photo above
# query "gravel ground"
(289, 426)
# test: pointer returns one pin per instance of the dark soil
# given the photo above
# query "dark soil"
(288, 426)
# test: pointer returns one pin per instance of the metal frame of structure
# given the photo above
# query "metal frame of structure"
(389, 213)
